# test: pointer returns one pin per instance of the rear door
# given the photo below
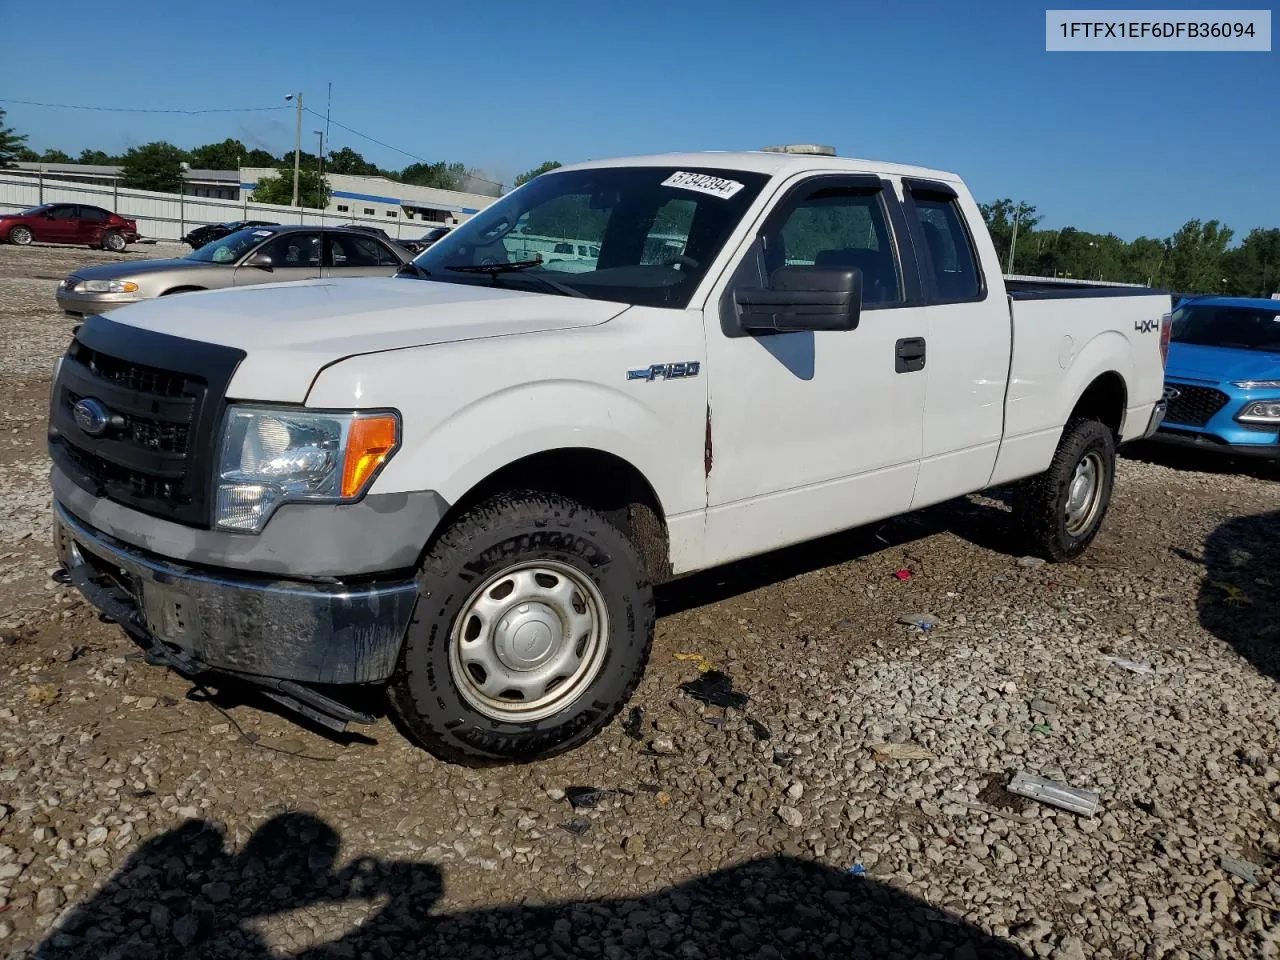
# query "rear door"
(295, 255)
(92, 223)
(807, 432)
(968, 344)
(355, 255)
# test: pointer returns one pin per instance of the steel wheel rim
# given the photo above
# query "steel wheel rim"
(1084, 494)
(528, 641)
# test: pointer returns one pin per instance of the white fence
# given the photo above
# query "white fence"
(170, 216)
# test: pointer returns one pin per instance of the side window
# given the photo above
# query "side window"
(66, 211)
(295, 250)
(96, 214)
(351, 251)
(386, 256)
(839, 227)
(955, 269)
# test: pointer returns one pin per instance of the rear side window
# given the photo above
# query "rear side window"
(955, 269)
(96, 214)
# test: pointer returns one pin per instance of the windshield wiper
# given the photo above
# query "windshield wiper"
(493, 269)
(518, 266)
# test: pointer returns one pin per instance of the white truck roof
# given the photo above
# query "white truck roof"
(762, 161)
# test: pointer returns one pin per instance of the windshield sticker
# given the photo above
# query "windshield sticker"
(262, 233)
(703, 183)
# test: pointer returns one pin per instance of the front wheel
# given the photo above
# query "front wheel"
(1061, 510)
(532, 629)
(113, 241)
(21, 235)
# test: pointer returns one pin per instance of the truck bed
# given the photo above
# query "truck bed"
(1047, 288)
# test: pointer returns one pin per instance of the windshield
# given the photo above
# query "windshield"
(230, 248)
(639, 235)
(1244, 328)
(30, 211)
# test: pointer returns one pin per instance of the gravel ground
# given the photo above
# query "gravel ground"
(144, 818)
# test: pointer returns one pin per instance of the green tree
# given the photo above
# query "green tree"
(1196, 255)
(537, 171)
(227, 155)
(55, 156)
(97, 157)
(348, 161)
(1000, 216)
(154, 166)
(1253, 268)
(13, 146)
(313, 191)
(443, 176)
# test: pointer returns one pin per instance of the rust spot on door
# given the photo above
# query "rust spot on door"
(707, 457)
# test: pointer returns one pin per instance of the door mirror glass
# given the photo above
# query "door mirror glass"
(260, 259)
(802, 298)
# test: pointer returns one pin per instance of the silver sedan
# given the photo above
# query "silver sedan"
(249, 256)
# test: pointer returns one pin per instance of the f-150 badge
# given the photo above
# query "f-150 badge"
(666, 371)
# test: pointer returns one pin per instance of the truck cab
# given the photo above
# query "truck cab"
(463, 483)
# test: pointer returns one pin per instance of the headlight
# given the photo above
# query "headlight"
(106, 286)
(1261, 411)
(272, 456)
(1257, 384)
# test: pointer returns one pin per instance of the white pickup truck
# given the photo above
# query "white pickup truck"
(463, 482)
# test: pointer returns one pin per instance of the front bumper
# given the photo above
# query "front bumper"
(85, 304)
(230, 622)
(1211, 443)
(1157, 417)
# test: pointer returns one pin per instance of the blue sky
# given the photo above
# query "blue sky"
(1131, 142)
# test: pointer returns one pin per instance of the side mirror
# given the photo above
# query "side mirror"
(802, 298)
(260, 260)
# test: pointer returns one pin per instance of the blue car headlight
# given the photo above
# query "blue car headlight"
(1257, 384)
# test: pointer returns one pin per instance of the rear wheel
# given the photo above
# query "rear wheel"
(1061, 510)
(531, 632)
(20, 235)
(114, 241)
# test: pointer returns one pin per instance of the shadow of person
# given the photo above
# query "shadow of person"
(1239, 601)
(771, 908)
(183, 894)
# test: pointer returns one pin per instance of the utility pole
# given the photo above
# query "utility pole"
(297, 144)
(1013, 244)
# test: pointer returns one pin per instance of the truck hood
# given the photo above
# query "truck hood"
(290, 331)
(1192, 361)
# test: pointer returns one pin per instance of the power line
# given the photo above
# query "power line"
(75, 106)
(412, 156)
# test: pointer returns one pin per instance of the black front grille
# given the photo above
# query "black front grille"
(1194, 406)
(165, 407)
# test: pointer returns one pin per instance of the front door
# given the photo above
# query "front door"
(295, 255)
(60, 225)
(351, 255)
(809, 433)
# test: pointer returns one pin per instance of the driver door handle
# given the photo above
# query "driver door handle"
(909, 355)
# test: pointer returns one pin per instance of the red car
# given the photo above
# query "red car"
(69, 223)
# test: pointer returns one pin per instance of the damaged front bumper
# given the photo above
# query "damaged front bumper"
(280, 634)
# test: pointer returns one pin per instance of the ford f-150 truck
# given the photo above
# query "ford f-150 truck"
(464, 481)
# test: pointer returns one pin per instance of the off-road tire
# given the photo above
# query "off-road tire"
(1041, 501)
(509, 529)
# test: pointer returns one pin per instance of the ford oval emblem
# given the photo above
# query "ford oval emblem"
(91, 416)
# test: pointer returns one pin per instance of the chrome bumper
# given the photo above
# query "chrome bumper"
(1157, 417)
(310, 633)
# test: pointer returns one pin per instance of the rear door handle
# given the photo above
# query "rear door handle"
(909, 355)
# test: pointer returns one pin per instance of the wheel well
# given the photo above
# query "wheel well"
(596, 479)
(1105, 400)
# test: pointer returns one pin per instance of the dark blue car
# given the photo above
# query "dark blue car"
(1222, 379)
